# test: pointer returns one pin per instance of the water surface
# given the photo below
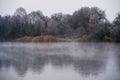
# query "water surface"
(59, 61)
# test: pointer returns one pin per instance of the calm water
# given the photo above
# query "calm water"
(59, 61)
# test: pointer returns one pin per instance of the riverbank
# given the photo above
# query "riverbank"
(85, 38)
(43, 39)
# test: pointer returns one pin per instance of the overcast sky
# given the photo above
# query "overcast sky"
(48, 7)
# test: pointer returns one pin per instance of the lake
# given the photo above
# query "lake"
(59, 61)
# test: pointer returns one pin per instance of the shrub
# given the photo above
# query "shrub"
(85, 38)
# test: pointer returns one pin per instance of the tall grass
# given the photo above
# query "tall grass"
(42, 39)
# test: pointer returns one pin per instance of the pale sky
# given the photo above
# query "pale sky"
(48, 7)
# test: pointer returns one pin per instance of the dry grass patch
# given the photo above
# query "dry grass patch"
(42, 39)
(25, 39)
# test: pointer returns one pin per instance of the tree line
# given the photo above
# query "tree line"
(83, 23)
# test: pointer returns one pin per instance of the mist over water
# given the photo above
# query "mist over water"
(59, 61)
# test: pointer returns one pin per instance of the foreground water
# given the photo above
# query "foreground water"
(59, 61)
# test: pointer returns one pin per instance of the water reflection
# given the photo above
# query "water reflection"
(117, 55)
(84, 58)
(37, 63)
